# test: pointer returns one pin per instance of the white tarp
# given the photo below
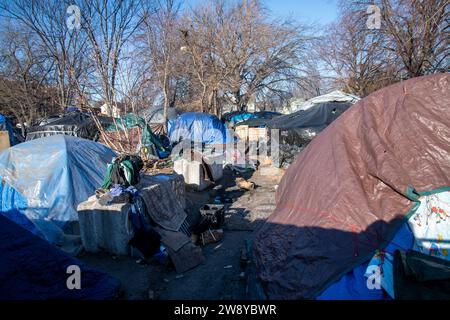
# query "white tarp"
(334, 96)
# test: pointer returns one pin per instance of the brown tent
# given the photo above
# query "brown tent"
(350, 190)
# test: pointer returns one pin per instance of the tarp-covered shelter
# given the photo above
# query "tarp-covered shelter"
(334, 96)
(308, 123)
(75, 124)
(33, 269)
(198, 127)
(132, 134)
(43, 181)
(299, 128)
(353, 187)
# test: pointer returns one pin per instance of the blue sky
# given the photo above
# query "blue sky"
(319, 11)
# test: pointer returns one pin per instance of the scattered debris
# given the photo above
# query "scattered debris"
(244, 184)
(211, 236)
(155, 166)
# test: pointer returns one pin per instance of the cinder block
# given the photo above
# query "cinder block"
(104, 227)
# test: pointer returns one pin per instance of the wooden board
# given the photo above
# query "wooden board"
(242, 132)
(4, 140)
(255, 134)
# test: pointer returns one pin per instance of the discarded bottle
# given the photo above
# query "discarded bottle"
(162, 255)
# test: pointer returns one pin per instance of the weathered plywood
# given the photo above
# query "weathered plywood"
(4, 140)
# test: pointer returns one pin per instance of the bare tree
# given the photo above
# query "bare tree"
(412, 41)
(108, 25)
(417, 32)
(354, 54)
(24, 91)
(239, 54)
(64, 47)
(161, 47)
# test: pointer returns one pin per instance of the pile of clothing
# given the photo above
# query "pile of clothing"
(124, 170)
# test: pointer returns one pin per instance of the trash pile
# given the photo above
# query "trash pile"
(208, 230)
(155, 166)
(145, 216)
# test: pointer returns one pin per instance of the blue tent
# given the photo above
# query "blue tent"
(43, 181)
(5, 125)
(33, 269)
(198, 127)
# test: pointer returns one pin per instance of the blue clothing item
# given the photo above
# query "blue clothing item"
(45, 179)
(353, 285)
(198, 127)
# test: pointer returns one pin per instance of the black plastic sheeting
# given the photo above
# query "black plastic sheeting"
(75, 124)
(299, 128)
(314, 119)
(226, 117)
(261, 120)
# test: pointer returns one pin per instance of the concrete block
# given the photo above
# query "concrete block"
(104, 227)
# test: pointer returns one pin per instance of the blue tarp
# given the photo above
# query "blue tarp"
(243, 116)
(43, 180)
(33, 269)
(5, 125)
(198, 127)
(353, 285)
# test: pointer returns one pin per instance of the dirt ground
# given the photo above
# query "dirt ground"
(220, 276)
